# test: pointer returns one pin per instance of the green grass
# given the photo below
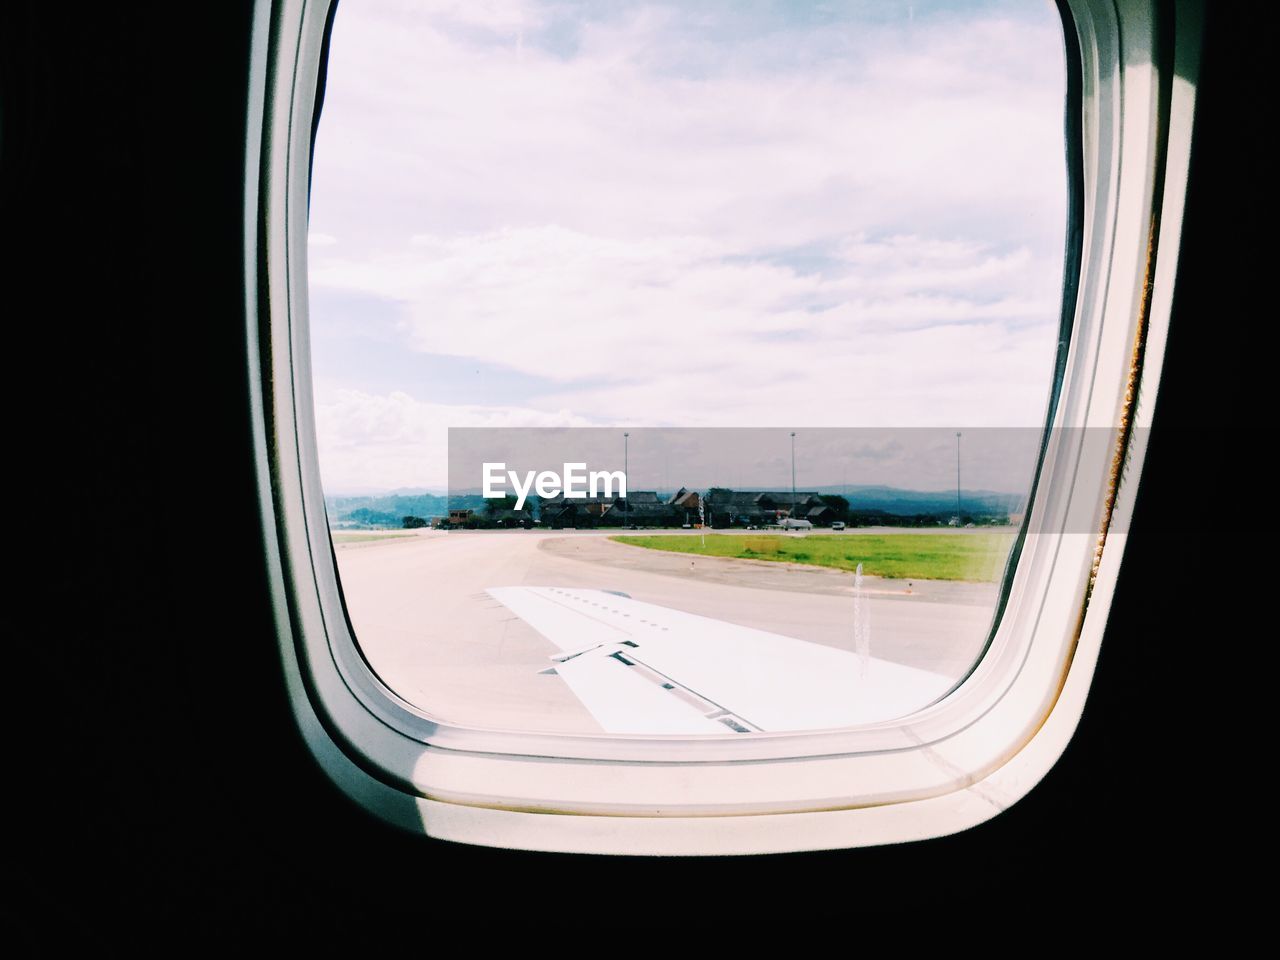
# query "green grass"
(339, 537)
(904, 556)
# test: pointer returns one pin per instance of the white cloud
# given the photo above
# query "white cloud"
(426, 132)
(388, 441)
(499, 16)
(913, 330)
(668, 221)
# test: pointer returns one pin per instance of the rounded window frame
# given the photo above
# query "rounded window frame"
(947, 767)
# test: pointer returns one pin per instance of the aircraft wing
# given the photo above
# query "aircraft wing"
(643, 668)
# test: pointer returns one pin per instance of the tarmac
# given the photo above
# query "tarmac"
(423, 621)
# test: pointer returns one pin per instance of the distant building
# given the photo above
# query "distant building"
(559, 511)
(640, 496)
(508, 518)
(640, 508)
(686, 503)
(768, 506)
(821, 515)
(684, 499)
(644, 515)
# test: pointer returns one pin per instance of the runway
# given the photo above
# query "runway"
(429, 630)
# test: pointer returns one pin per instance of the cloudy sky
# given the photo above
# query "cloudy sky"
(701, 214)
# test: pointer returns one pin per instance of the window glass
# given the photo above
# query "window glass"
(794, 270)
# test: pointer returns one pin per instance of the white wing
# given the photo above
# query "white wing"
(642, 668)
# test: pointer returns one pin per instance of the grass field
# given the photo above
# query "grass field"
(339, 537)
(904, 556)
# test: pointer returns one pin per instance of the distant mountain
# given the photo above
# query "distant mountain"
(389, 510)
(894, 500)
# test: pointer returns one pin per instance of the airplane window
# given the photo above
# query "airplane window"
(776, 287)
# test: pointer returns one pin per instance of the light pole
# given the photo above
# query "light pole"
(792, 512)
(958, 523)
(626, 501)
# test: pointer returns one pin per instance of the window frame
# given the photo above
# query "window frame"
(945, 768)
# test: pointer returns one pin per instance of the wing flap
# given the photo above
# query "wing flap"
(770, 681)
(624, 701)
